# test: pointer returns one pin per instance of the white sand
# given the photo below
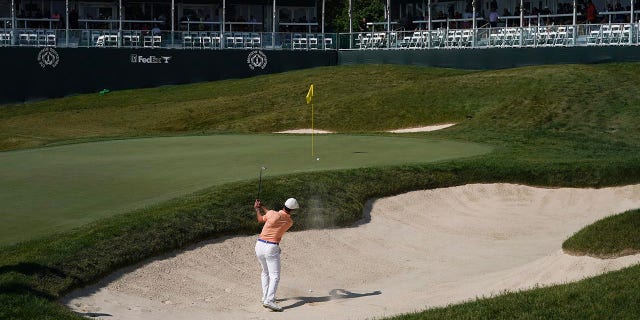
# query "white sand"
(406, 130)
(416, 250)
(306, 131)
(424, 129)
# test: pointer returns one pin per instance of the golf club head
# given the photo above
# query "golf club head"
(260, 181)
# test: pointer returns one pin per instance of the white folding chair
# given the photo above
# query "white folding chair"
(616, 34)
(215, 40)
(297, 41)
(157, 41)
(561, 36)
(5, 39)
(135, 40)
(23, 39)
(41, 37)
(100, 41)
(206, 40)
(312, 41)
(239, 40)
(148, 41)
(51, 39)
(229, 40)
(33, 38)
(256, 41)
(247, 40)
(187, 40)
(112, 40)
(126, 40)
(197, 40)
(303, 42)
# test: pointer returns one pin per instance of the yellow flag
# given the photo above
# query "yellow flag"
(310, 94)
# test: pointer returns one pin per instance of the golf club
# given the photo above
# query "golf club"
(260, 183)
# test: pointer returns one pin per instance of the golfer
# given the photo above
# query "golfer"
(276, 223)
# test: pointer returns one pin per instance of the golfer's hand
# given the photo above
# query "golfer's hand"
(257, 204)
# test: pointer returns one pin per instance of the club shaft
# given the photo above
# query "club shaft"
(259, 185)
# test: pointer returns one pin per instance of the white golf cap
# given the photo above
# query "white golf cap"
(291, 204)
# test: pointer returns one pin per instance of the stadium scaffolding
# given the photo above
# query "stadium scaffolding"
(201, 24)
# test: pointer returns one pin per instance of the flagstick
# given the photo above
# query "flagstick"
(312, 153)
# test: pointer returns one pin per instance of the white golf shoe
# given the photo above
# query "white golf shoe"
(272, 306)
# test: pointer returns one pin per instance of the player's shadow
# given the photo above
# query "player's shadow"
(94, 314)
(335, 294)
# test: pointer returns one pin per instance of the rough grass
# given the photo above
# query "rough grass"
(614, 236)
(583, 100)
(551, 125)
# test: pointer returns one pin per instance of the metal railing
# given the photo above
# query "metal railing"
(531, 36)
(101, 38)
(443, 38)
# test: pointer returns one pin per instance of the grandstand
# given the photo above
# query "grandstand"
(191, 24)
(299, 25)
(95, 45)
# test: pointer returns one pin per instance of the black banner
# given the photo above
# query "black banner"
(38, 73)
(493, 58)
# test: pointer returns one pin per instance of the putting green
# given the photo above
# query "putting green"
(54, 189)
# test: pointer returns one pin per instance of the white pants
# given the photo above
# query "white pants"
(269, 258)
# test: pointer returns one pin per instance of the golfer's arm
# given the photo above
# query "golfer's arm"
(259, 215)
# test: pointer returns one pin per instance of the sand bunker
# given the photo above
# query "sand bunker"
(407, 130)
(306, 131)
(413, 251)
(424, 129)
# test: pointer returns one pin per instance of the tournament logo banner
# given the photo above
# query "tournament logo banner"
(48, 57)
(257, 60)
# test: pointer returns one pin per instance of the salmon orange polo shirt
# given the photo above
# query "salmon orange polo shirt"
(276, 223)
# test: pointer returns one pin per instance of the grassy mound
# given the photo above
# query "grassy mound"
(546, 126)
(580, 101)
(613, 236)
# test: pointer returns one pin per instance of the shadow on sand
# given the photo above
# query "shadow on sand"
(94, 314)
(335, 294)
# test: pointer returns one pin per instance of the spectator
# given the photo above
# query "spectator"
(468, 14)
(58, 24)
(591, 12)
(184, 23)
(145, 29)
(73, 19)
(506, 13)
(620, 17)
(362, 26)
(493, 18)
(545, 12)
(155, 31)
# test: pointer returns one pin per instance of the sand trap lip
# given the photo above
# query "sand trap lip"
(412, 251)
(424, 129)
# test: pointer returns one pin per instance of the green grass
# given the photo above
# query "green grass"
(81, 183)
(582, 100)
(613, 236)
(609, 296)
(571, 125)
